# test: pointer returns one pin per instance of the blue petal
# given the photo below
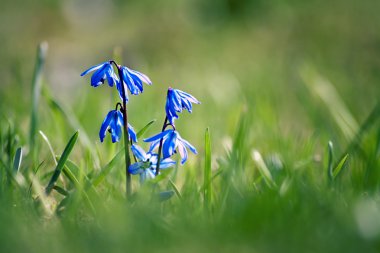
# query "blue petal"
(136, 168)
(139, 152)
(129, 81)
(105, 125)
(141, 76)
(170, 145)
(137, 81)
(93, 68)
(188, 97)
(186, 104)
(188, 145)
(182, 152)
(154, 145)
(98, 77)
(110, 76)
(166, 163)
(159, 136)
(132, 133)
(175, 101)
(116, 126)
(116, 132)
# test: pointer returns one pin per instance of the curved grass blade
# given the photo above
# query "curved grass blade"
(207, 170)
(143, 130)
(342, 164)
(354, 145)
(17, 160)
(179, 195)
(65, 155)
(327, 92)
(36, 91)
(66, 113)
(50, 147)
(107, 169)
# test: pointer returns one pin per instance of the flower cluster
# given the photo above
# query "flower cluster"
(176, 101)
(168, 142)
(128, 79)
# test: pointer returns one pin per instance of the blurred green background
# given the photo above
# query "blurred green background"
(228, 53)
(300, 72)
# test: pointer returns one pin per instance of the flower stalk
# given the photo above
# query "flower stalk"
(128, 185)
(160, 147)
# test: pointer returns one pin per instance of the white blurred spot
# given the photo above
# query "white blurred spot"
(367, 215)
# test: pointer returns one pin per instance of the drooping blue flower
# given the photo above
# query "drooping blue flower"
(114, 123)
(171, 141)
(147, 163)
(132, 81)
(176, 101)
(103, 71)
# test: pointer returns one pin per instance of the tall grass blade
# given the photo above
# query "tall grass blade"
(373, 117)
(61, 163)
(207, 170)
(17, 160)
(36, 91)
(55, 105)
(146, 127)
(326, 91)
(330, 161)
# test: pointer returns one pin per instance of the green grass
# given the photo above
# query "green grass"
(288, 132)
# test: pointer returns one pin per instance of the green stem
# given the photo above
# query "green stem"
(128, 185)
(160, 147)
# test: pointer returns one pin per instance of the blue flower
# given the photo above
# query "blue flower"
(132, 81)
(176, 101)
(147, 163)
(171, 141)
(103, 71)
(114, 123)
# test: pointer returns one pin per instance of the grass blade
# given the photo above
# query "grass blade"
(17, 160)
(326, 91)
(65, 155)
(175, 188)
(50, 146)
(70, 175)
(74, 169)
(107, 169)
(61, 190)
(342, 164)
(143, 130)
(330, 161)
(36, 91)
(207, 170)
(373, 117)
(73, 122)
(263, 169)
